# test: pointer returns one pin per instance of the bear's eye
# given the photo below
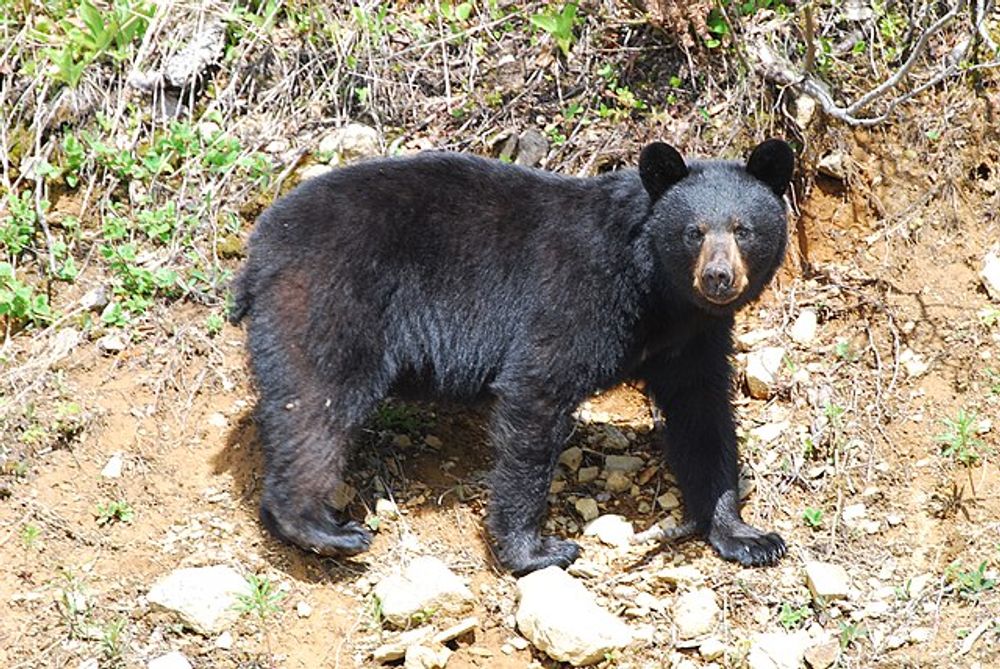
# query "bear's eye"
(693, 234)
(741, 232)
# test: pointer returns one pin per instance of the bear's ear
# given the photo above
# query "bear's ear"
(772, 162)
(660, 167)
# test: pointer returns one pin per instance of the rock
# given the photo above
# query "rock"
(853, 514)
(343, 495)
(204, 598)
(805, 110)
(804, 329)
(832, 165)
(224, 641)
(913, 363)
(750, 340)
(532, 147)
(425, 657)
(823, 656)
(587, 508)
(204, 48)
(571, 458)
(457, 630)
(769, 432)
(990, 274)
(386, 508)
(696, 613)
(433, 441)
(587, 474)
(827, 581)
(668, 501)
(111, 344)
(172, 660)
(762, 370)
(623, 463)
(610, 529)
(303, 610)
(711, 648)
(352, 142)
(425, 587)
(89, 663)
(920, 634)
(778, 650)
(395, 648)
(557, 614)
(113, 468)
(313, 170)
(683, 575)
(613, 438)
(617, 482)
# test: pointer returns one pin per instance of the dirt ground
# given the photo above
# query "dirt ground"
(887, 253)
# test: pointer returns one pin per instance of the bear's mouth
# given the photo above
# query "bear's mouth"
(722, 299)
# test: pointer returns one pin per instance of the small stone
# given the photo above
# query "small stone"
(95, 299)
(216, 419)
(386, 508)
(913, 363)
(827, 581)
(532, 147)
(762, 370)
(434, 442)
(832, 165)
(312, 171)
(696, 613)
(610, 529)
(805, 110)
(343, 495)
(425, 657)
(557, 486)
(89, 663)
(668, 501)
(585, 569)
(224, 641)
(303, 609)
(172, 660)
(113, 468)
(204, 598)
(587, 508)
(111, 344)
(892, 642)
(457, 630)
(685, 575)
(623, 463)
(617, 482)
(425, 587)
(769, 432)
(711, 648)
(352, 142)
(613, 438)
(752, 339)
(395, 648)
(402, 441)
(518, 643)
(920, 634)
(853, 514)
(990, 274)
(571, 458)
(804, 329)
(557, 614)
(778, 650)
(587, 474)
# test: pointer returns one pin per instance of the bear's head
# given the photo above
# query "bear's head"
(718, 228)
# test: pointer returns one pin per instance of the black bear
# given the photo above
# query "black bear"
(462, 277)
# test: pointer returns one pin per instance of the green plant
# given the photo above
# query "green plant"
(792, 618)
(214, 323)
(813, 517)
(17, 230)
(959, 438)
(850, 633)
(116, 511)
(400, 418)
(19, 304)
(111, 638)
(263, 599)
(29, 535)
(718, 28)
(558, 24)
(971, 583)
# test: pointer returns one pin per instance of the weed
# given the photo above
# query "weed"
(851, 633)
(971, 583)
(213, 324)
(263, 599)
(793, 618)
(29, 535)
(17, 231)
(19, 304)
(117, 511)
(559, 24)
(959, 440)
(111, 638)
(399, 418)
(813, 517)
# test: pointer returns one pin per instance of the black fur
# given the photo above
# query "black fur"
(466, 278)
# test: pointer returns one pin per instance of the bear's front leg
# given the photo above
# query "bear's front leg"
(528, 435)
(693, 389)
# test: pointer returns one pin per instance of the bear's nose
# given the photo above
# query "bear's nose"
(718, 279)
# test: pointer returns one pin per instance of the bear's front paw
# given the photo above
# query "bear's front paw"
(524, 555)
(746, 544)
(318, 531)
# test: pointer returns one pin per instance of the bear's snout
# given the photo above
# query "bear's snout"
(717, 280)
(720, 274)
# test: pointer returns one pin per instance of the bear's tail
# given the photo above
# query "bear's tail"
(242, 299)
